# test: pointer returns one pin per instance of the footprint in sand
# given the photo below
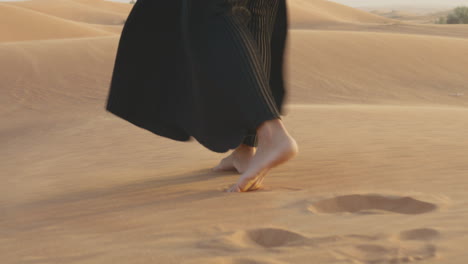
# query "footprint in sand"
(354, 248)
(420, 234)
(412, 245)
(274, 237)
(260, 237)
(386, 253)
(356, 203)
(382, 250)
(253, 261)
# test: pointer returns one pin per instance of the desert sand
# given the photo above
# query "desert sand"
(378, 106)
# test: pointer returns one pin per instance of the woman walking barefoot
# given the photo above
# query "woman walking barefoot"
(211, 70)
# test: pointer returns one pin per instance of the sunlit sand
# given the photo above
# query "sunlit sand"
(378, 106)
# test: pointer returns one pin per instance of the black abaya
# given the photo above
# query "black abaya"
(207, 69)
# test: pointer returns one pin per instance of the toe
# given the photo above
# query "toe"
(234, 188)
(229, 189)
(224, 165)
(216, 168)
(257, 184)
(221, 167)
(255, 188)
(247, 184)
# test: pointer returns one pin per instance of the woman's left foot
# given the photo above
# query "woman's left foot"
(237, 161)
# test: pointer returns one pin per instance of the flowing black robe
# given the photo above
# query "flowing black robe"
(175, 76)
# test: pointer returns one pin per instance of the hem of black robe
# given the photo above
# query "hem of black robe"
(157, 126)
(242, 137)
(171, 131)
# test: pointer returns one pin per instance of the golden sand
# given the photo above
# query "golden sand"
(377, 106)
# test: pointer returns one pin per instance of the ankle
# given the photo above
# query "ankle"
(271, 130)
(243, 148)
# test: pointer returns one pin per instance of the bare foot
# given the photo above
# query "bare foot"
(275, 146)
(255, 183)
(237, 161)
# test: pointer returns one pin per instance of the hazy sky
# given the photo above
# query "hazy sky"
(382, 3)
(390, 3)
(387, 3)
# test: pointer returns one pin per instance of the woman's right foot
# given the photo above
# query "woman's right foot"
(275, 146)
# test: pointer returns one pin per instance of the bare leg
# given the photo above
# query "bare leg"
(238, 160)
(275, 146)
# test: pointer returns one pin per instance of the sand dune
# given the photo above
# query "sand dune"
(377, 106)
(123, 8)
(364, 76)
(305, 13)
(456, 31)
(40, 26)
(62, 74)
(116, 29)
(74, 10)
(413, 17)
(383, 68)
(94, 201)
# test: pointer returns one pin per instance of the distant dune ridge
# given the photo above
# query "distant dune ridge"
(81, 11)
(19, 24)
(320, 12)
(378, 107)
(387, 68)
